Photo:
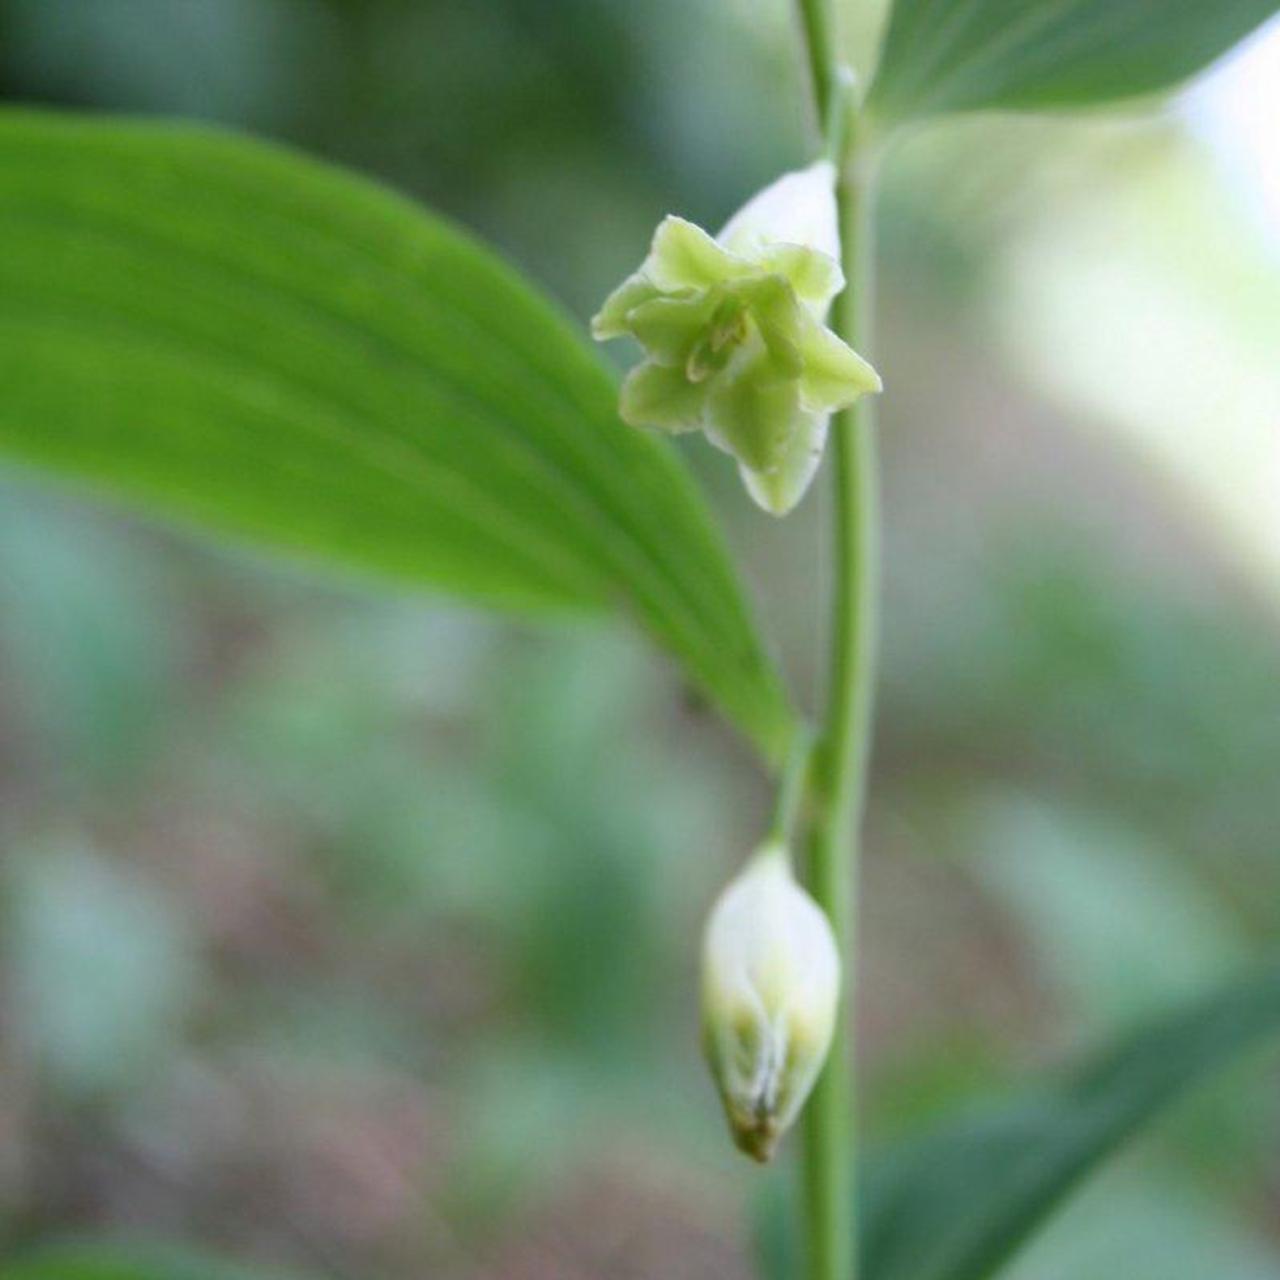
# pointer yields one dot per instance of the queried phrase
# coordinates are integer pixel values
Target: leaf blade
(958, 1203)
(965, 55)
(262, 343)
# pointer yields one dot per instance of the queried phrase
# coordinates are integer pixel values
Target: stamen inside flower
(730, 325)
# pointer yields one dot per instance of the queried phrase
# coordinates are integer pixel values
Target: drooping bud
(770, 993)
(734, 334)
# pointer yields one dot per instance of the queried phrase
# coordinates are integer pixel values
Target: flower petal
(656, 396)
(780, 488)
(815, 276)
(834, 375)
(683, 256)
(753, 410)
(669, 327)
(799, 208)
(611, 321)
(778, 317)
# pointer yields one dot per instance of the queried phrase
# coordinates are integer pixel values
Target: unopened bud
(770, 993)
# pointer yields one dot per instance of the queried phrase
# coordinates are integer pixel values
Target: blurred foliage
(100, 968)
(96, 1262)
(91, 635)
(357, 935)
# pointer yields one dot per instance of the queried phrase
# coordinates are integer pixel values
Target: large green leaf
(246, 338)
(960, 55)
(957, 1203)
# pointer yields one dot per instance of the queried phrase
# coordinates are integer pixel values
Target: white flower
(770, 994)
(734, 335)
(799, 208)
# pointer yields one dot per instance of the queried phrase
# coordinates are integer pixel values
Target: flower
(734, 335)
(770, 992)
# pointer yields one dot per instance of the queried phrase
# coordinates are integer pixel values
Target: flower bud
(770, 993)
(734, 335)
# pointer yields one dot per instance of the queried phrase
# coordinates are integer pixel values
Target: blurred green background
(358, 934)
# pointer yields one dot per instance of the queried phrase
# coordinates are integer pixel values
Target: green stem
(845, 745)
(818, 18)
(792, 791)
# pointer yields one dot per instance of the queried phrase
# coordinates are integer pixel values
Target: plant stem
(845, 745)
(818, 18)
(792, 792)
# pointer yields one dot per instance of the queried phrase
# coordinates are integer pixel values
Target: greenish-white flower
(770, 992)
(734, 333)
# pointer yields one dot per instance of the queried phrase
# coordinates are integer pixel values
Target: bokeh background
(357, 933)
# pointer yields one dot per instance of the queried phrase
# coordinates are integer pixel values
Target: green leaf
(959, 1202)
(244, 338)
(124, 1262)
(962, 55)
